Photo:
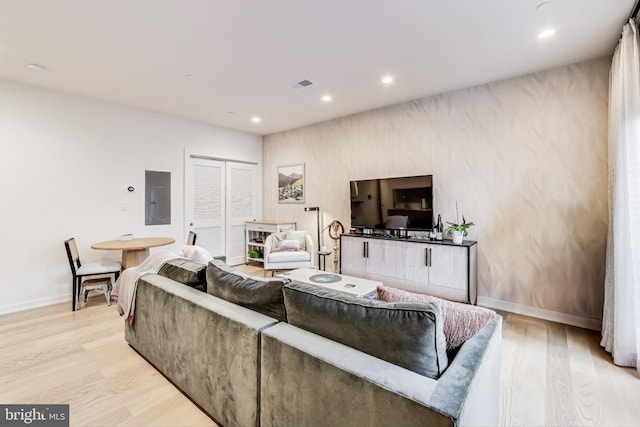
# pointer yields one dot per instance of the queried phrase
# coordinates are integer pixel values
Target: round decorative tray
(325, 278)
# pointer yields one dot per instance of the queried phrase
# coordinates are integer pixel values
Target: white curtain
(621, 317)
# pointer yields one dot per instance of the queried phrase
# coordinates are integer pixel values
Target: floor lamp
(317, 211)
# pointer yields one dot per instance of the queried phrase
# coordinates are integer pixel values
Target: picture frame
(291, 188)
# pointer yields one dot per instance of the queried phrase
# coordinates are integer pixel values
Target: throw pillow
(263, 295)
(289, 245)
(185, 271)
(406, 334)
(196, 253)
(461, 321)
(299, 235)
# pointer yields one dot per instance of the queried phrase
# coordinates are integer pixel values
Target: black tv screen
(392, 203)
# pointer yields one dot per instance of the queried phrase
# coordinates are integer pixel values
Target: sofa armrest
(470, 387)
(208, 347)
(310, 248)
(307, 379)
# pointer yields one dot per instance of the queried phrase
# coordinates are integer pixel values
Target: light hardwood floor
(53, 355)
(551, 374)
(558, 375)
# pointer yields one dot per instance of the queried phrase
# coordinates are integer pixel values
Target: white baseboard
(6, 309)
(541, 313)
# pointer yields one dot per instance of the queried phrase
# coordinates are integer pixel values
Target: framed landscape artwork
(291, 183)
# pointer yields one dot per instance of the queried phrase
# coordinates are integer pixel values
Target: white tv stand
(438, 268)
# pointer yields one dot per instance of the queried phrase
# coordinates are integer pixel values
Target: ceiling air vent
(301, 84)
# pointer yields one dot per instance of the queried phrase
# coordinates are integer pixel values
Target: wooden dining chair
(92, 276)
(191, 239)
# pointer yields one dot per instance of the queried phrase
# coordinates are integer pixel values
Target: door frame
(257, 183)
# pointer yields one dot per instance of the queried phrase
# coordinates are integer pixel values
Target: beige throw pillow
(299, 235)
(289, 245)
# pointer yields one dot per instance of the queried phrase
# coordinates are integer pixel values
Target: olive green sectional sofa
(319, 358)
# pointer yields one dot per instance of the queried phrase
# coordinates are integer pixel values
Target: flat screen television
(392, 203)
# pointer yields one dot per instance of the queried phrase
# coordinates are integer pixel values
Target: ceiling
(226, 61)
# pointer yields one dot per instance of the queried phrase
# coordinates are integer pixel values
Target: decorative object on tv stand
(291, 188)
(335, 230)
(439, 228)
(316, 209)
(458, 230)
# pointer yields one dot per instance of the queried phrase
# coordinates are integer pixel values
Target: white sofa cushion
(98, 268)
(289, 256)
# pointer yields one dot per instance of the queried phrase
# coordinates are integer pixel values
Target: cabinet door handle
(430, 256)
(366, 245)
(427, 257)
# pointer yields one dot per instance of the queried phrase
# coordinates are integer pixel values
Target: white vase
(457, 237)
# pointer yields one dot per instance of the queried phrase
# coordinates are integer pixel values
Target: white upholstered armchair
(288, 250)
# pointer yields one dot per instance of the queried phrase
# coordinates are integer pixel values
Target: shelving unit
(257, 232)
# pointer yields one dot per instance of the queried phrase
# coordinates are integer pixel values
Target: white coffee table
(337, 282)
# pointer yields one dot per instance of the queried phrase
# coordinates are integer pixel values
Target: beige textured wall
(525, 158)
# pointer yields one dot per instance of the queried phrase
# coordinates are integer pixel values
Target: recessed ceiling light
(36, 67)
(256, 119)
(387, 80)
(327, 98)
(546, 34)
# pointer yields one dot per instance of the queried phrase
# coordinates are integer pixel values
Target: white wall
(525, 158)
(65, 164)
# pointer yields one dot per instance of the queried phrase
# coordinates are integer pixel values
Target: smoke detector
(301, 84)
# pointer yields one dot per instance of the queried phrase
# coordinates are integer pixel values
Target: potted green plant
(458, 231)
